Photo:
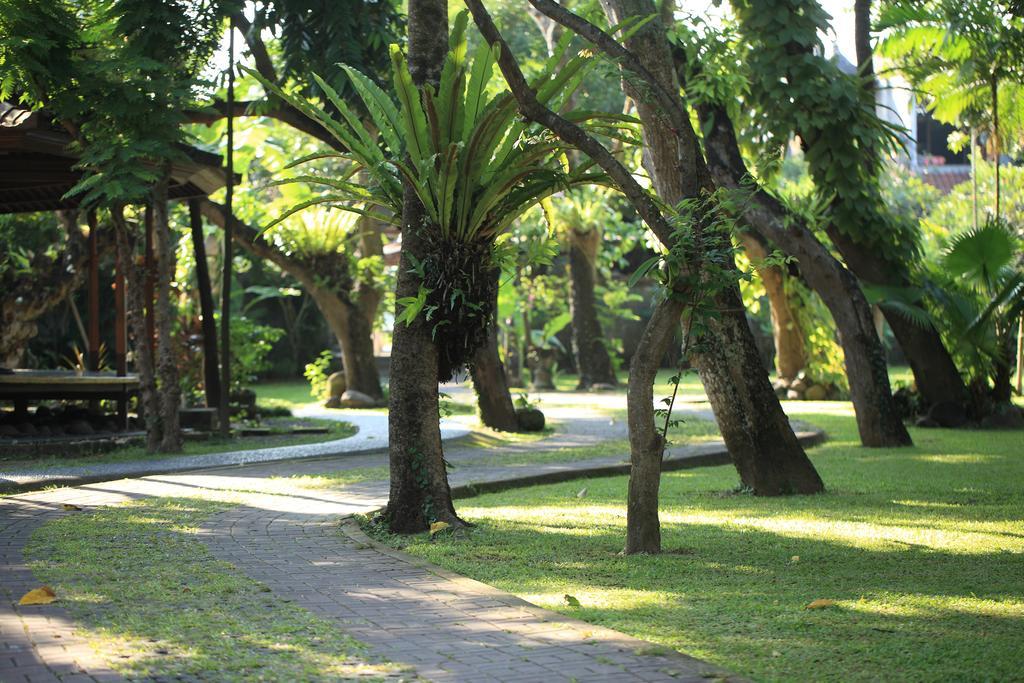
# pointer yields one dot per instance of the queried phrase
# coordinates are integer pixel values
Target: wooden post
(223, 409)
(211, 379)
(120, 338)
(94, 295)
(150, 264)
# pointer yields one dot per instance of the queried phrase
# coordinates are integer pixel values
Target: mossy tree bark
(166, 367)
(592, 360)
(878, 420)
(141, 340)
(419, 491)
(761, 442)
(646, 443)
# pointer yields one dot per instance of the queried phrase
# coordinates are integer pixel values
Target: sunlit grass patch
(921, 550)
(154, 601)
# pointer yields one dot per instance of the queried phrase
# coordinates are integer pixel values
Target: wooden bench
(22, 386)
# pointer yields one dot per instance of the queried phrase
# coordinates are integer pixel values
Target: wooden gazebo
(37, 169)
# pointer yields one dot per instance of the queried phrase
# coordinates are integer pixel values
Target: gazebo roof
(36, 165)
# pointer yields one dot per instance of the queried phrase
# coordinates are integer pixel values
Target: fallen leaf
(582, 493)
(820, 603)
(43, 595)
(794, 559)
(437, 527)
(776, 653)
(572, 601)
(70, 507)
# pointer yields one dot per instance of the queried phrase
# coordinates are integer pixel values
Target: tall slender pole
(224, 416)
(93, 352)
(211, 372)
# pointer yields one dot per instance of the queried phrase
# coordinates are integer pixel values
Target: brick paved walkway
(447, 627)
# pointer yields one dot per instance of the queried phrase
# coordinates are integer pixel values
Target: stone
(337, 385)
(793, 395)
(816, 393)
(1009, 417)
(79, 427)
(203, 419)
(357, 399)
(333, 402)
(780, 383)
(9, 430)
(27, 428)
(800, 385)
(602, 386)
(530, 419)
(948, 414)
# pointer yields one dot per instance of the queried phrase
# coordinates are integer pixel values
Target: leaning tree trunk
(592, 360)
(142, 341)
(878, 420)
(490, 381)
(761, 442)
(351, 322)
(935, 373)
(166, 367)
(419, 492)
(646, 443)
(790, 354)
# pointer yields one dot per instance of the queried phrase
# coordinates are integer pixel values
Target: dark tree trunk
(790, 355)
(211, 367)
(878, 421)
(142, 341)
(756, 431)
(646, 444)
(419, 483)
(935, 373)
(491, 385)
(490, 381)
(761, 441)
(592, 360)
(166, 367)
(350, 322)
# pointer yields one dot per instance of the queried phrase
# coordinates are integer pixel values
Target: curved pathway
(372, 435)
(445, 626)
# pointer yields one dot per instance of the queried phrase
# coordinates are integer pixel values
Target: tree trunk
(592, 360)
(419, 492)
(211, 367)
(350, 322)
(166, 368)
(790, 355)
(142, 341)
(646, 444)
(935, 373)
(756, 431)
(878, 421)
(490, 381)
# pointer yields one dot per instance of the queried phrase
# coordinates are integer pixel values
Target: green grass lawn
(215, 444)
(159, 606)
(921, 549)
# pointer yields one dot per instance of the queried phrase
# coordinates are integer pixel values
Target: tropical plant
(473, 163)
(965, 57)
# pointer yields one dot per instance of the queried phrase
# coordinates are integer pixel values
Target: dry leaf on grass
(43, 595)
(820, 603)
(437, 527)
(70, 506)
